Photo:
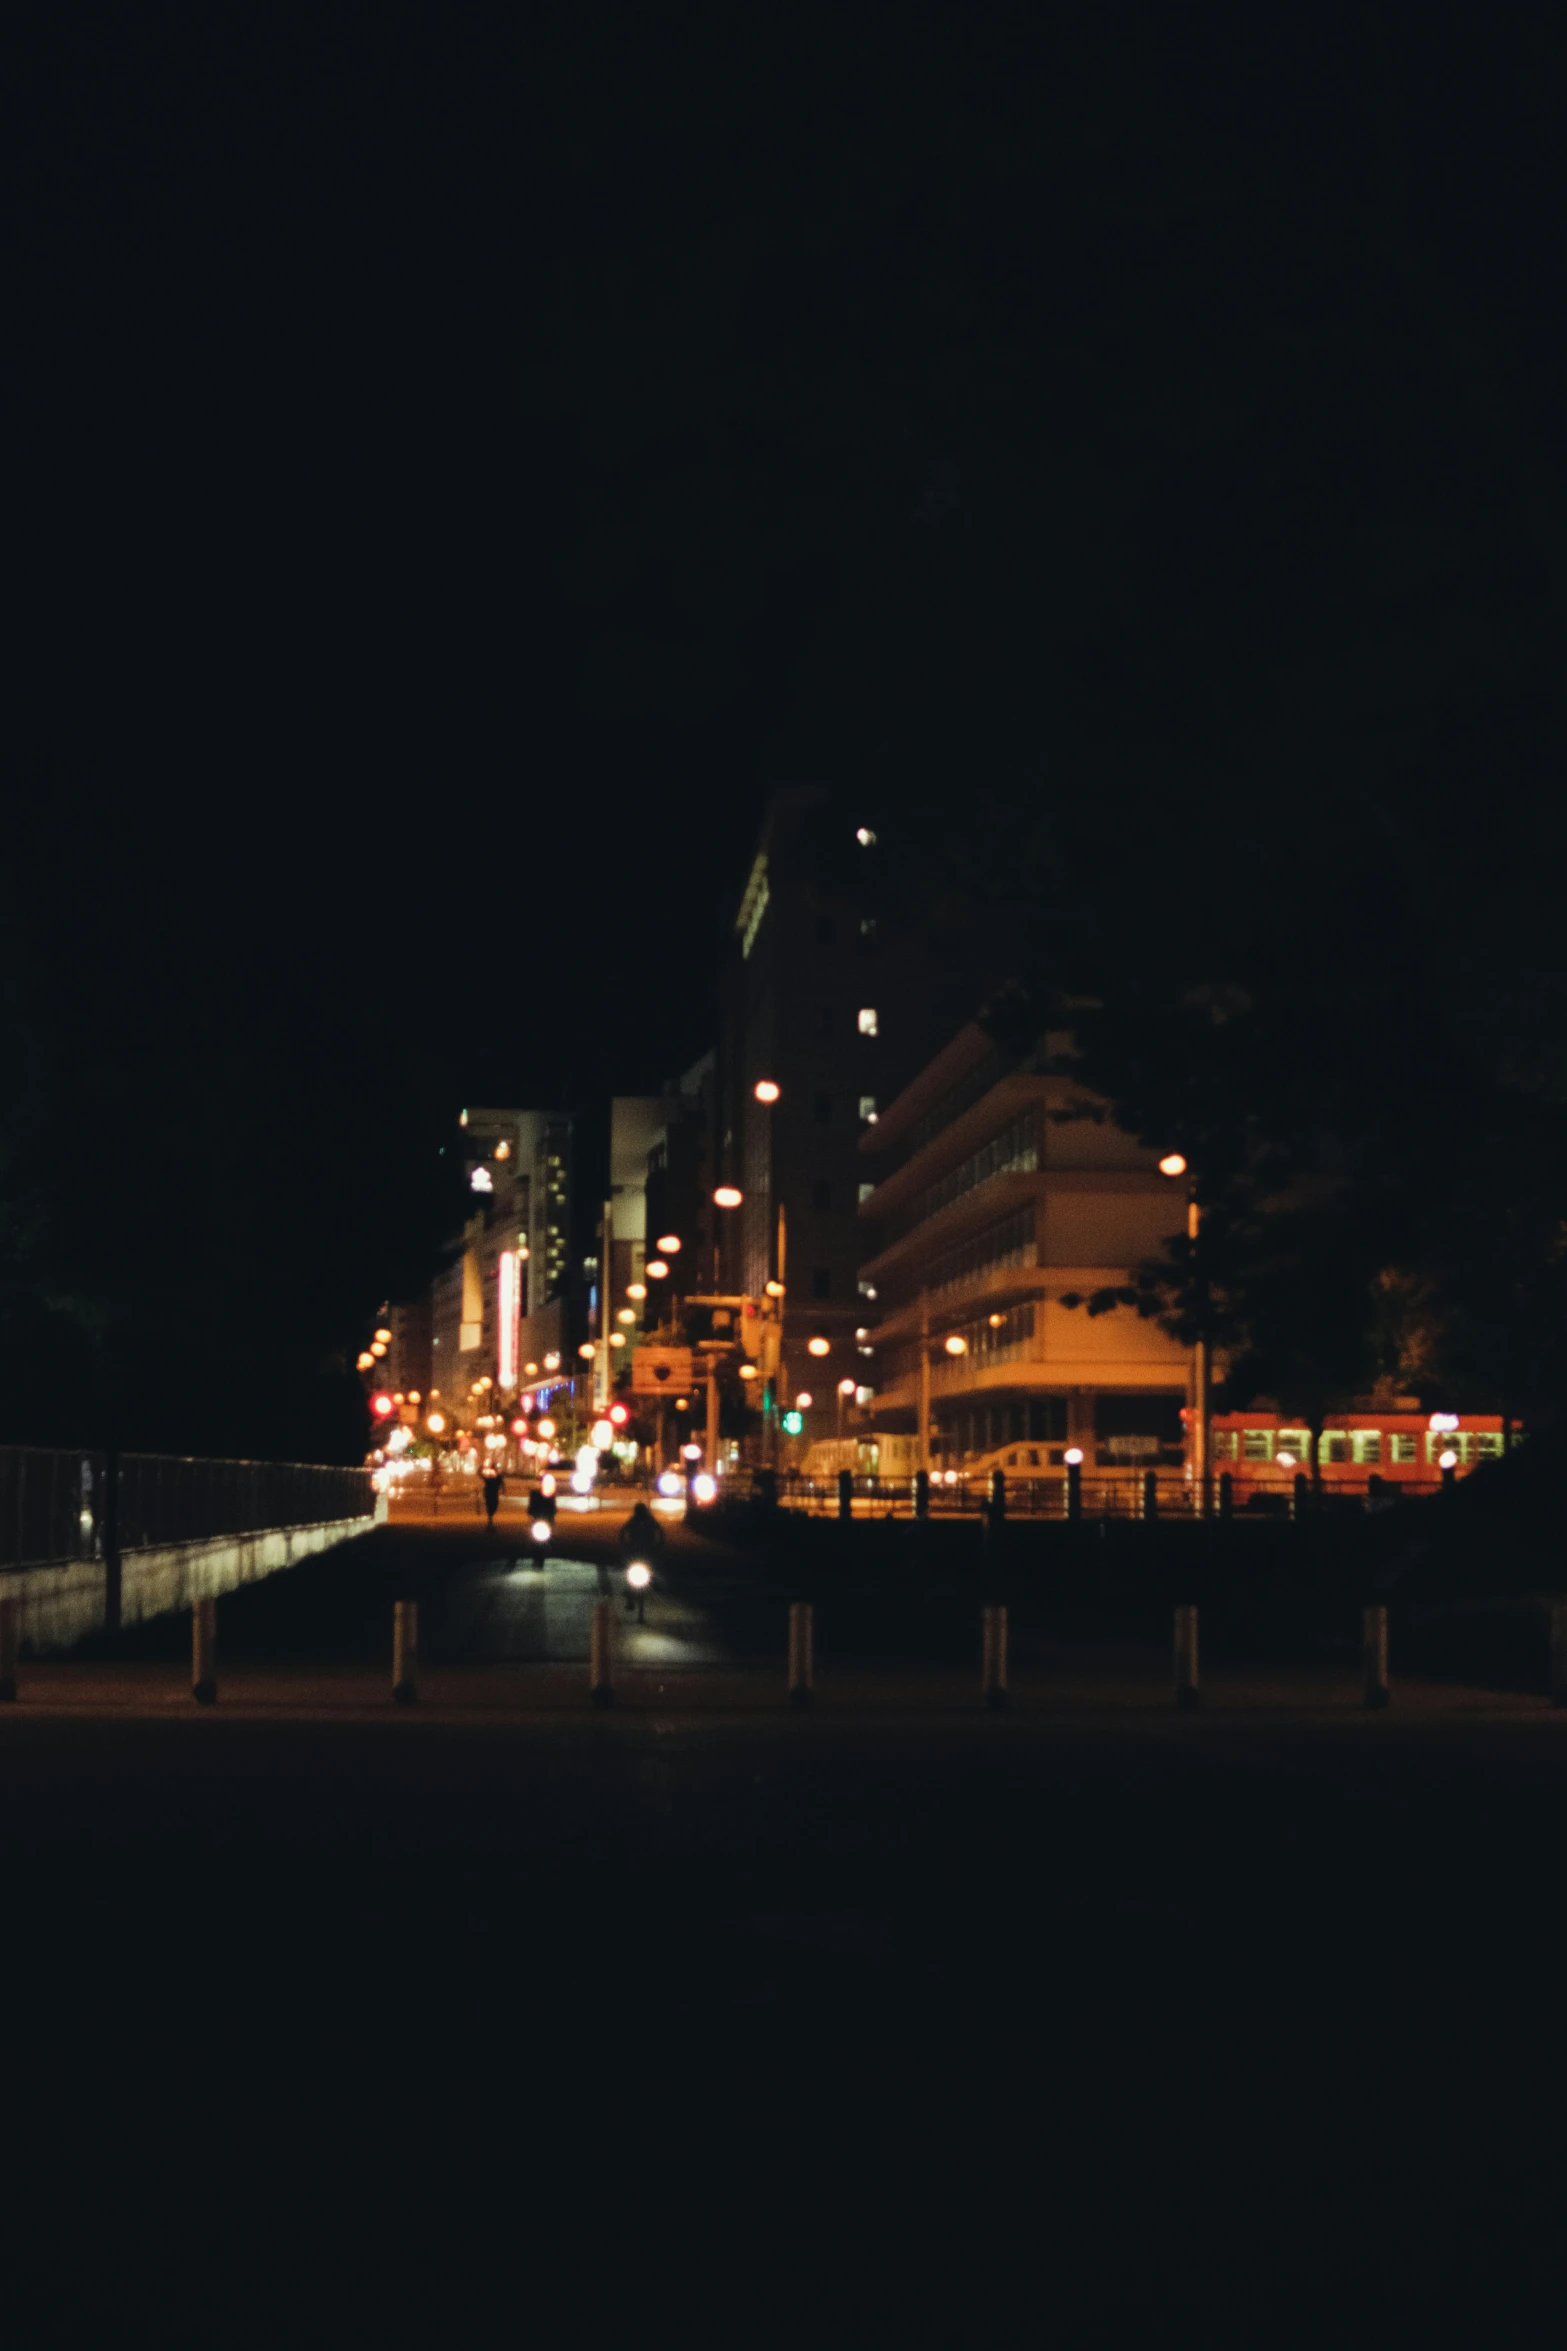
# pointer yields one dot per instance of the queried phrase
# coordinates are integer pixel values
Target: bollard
(1300, 1494)
(1449, 1478)
(845, 1493)
(922, 1493)
(405, 1651)
(601, 1654)
(1374, 1650)
(998, 1497)
(10, 1644)
(1226, 1494)
(802, 1656)
(993, 1645)
(1150, 1494)
(1186, 1656)
(1559, 1653)
(1074, 1489)
(204, 1652)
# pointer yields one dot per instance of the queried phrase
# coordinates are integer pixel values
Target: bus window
(1335, 1445)
(1367, 1444)
(1296, 1442)
(1257, 1445)
(1401, 1446)
(1224, 1444)
(1488, 1444)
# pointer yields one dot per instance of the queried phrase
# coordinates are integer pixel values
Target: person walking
(493, 1482)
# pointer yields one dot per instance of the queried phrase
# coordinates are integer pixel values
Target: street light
(670, 1244)
(636, 1290)
(818, 1346)
(656, 1268)
(1174, 1164)
(955, 1345)
(766, 1090)
(802, 1402)
(728, 1196)
(845, 1391)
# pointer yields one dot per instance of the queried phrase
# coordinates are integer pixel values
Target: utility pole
(1202, 1402)
(924, 1381)
(601, 1352)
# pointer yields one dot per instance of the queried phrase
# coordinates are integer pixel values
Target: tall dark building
(836, 993)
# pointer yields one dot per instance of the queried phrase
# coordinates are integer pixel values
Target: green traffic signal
(793, 1422)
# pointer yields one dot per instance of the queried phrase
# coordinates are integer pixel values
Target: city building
(835, 993)
(995, 1192)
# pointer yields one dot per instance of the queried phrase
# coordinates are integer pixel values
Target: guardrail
(57, 1505)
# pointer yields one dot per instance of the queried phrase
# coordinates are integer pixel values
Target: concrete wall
(62, 1604)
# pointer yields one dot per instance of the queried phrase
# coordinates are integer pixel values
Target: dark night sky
(456, 453)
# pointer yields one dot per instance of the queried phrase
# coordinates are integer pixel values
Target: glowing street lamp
(365, 1361)
(728, 1196)
(637, 1290)
(384, 1336)
(818, 1346)
(627, 1314)
(656, 1269)
(1172, 1164)
(956, 1345)
(802, 1402)
(586, 1350)
(378, 1347)
(748, 1371)
(669, 1243)
(767, 1089)
(436, 1424)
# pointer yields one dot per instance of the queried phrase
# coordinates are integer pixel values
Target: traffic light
(620, 1414)
(382, 1405)
(793, 1423)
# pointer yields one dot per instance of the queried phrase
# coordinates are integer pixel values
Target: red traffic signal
(382, 1405)
(619, 1414)
(519, 1428)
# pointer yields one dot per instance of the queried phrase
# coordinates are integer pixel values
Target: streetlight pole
(924, 1381)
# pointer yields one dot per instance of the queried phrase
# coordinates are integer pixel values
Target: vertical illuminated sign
(506, 1319)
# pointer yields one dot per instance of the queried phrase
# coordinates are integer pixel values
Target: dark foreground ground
(499, 2020)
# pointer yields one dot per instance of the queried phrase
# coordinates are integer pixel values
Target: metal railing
(1117, 1495)
(57, 1506)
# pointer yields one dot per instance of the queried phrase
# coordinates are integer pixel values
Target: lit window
(1334, 1445)
(867, 1289)
(865, 1191)
(1257, 1445)
(1296, 1442)
(868, 1109)
(1401, 1446)
(869, 1025)
(481, 1180)
(865, 837)
(1368, 1444)
(1224, 1444)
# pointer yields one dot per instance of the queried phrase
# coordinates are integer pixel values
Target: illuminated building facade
(996, 1192)
(835, 993)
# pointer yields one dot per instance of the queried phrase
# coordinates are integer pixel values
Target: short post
(10, 1645)
(1074, 1489)
(845, 1493)
(1300, 1494)
(601, 1654)
(1374, 1492)
(1374, 1653)
(998, 1497)
(1559, 1653)
(993, 1645)
(204, 1652)
(1226, 1494)
(922, 1493)
(1150, 1494)
(802, 1656)
(1186, 1656)
(1449, 1477)
(405, 1651)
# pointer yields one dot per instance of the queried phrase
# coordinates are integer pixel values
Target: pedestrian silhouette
(493, 1482)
